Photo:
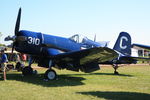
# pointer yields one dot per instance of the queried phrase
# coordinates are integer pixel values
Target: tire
(27, 71)
(19, 66)
(50, 75)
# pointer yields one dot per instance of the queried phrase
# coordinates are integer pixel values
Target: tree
(0, 43)
(0, 34)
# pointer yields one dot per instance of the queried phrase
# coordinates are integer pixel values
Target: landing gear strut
(28, 70)
(50, 74)
(115, 66)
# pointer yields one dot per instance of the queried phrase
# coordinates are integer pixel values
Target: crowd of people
(4, 61)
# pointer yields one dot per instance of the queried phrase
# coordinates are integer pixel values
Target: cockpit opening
(78, 38)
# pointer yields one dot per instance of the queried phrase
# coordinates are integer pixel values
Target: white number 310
(34, 41)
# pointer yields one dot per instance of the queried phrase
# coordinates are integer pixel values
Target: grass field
(133, 83)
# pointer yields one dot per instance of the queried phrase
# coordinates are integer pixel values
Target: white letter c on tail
(121, 42)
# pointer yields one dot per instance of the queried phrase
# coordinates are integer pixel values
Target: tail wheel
(50, 74)
(115, 66)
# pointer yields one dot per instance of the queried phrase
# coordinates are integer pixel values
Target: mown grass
(133, 83)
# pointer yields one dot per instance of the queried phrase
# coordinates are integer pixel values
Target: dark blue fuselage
(48, 45)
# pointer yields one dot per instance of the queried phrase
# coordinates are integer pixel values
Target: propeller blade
(13, 47)
(95, 38)
(18, 22)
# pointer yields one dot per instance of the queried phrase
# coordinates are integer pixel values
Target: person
(17, 57)
(23, 57)
(4, 60)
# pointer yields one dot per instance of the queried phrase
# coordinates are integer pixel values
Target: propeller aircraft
(75, 53)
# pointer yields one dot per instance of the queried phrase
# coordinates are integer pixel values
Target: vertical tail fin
(123, 43)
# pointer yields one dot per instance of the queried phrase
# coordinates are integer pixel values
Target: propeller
(17, 28)
(16, 38)
(95, 38)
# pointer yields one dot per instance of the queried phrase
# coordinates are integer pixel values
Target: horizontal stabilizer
(129, 59)
(141, 58)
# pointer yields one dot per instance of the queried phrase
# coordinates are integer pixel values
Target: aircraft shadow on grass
(111, 74)
(63, 80)
(118, 95)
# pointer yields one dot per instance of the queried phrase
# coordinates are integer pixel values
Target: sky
(105, 18)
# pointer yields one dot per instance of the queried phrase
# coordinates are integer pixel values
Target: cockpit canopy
(87, 43)
(78, 38)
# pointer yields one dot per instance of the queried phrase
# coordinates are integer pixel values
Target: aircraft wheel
(27, 71)
(50, 74)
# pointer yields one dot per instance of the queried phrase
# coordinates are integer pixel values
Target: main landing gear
(28, 71)
(49, 74)
(115, 66)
